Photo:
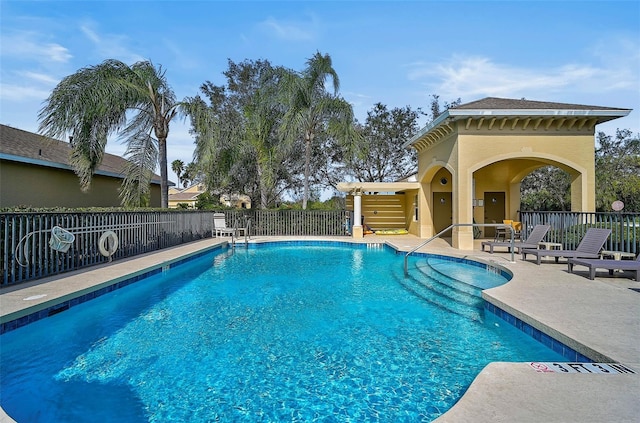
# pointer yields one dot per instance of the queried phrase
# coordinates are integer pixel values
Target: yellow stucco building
(471, 161)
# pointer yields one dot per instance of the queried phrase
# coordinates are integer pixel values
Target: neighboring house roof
(26, 147)
(184, 196)
(190, 193)
(197, 188)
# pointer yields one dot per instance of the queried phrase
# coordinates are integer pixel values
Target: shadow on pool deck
(599, 318)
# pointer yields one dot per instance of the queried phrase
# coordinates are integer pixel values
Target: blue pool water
(289, 333)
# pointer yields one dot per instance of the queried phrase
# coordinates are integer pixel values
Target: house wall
(37, 186)
(500, 162)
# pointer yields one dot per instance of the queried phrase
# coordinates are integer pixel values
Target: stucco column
(583, 193)
(462, 236)
(425, 219)
(357, 231)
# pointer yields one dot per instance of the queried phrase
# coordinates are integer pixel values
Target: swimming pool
(289, 333)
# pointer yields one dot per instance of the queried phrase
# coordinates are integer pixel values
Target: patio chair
(220, 227)
(589, 247)
(610, 265)
(537, 234)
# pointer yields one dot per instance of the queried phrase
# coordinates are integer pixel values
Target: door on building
(494, 211)
(442, 212)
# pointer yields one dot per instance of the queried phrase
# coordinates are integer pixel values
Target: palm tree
(237, 145)
(190, 175)
(93, 104)
(261, 116)
(311, 110)
(178, 167)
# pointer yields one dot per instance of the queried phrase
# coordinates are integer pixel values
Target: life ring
(108, 243)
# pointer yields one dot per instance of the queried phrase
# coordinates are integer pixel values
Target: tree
(178, 167)
(94, 103)
(312, 110)
(237, 148)
(436, 109)
(544, 189)
(384, 133)
(190, 175)
(618, 170)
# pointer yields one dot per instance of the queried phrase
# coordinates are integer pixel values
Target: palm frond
(142, 157)
(93, 104)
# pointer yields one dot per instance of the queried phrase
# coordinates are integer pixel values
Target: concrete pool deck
(599, 318)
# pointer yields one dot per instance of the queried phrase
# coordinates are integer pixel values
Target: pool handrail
(246, 229)
(495, 225)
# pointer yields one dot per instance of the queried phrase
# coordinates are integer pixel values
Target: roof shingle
(491, 103)
(42, 150)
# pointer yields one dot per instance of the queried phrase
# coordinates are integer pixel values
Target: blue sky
(394, 52)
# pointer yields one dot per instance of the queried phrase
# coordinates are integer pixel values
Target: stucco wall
(497, 162)
(496, 159)
(37, 186)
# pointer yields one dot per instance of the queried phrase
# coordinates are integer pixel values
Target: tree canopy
(134, 102)
(264, 133)
(235, 125)
(617, 166)
(618, 170)
(312, 110)
(383, 134)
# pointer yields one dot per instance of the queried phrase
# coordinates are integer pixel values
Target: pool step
(432, 291)
(474, 276)
(444, 281)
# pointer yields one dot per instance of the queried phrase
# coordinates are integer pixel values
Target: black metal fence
(292, 222)
(32, 249)
(568, 228)
(28, 249)
(33, 245)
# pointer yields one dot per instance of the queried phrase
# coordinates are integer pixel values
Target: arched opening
(497, 187)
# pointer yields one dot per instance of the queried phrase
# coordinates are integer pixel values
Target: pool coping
(64, 287)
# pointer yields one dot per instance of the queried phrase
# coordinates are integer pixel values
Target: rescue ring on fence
(108, 243)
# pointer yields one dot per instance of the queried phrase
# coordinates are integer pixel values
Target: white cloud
(184, 61)
(110, 46)
(40, 77)
(30, 46)
(290, 31)
(21, 93)
(473, 77)
(605, 75)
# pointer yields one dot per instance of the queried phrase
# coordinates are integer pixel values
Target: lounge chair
(610, 265)
(589, 247)
(537, 234)
(220, 226)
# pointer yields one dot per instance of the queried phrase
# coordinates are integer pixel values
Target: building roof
(506, 108)
(27, 147)
(493, 103)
